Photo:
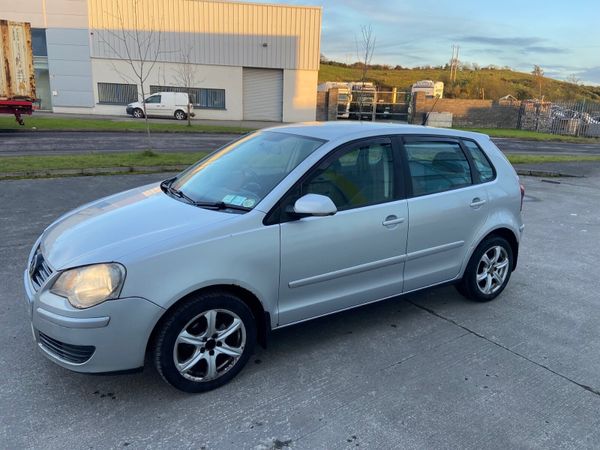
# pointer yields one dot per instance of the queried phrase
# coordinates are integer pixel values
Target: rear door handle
(392, 220)
(477, 202)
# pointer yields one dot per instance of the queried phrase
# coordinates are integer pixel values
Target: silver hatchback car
(281, 226)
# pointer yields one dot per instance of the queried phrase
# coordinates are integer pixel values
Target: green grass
(97, 160)
(532, 135)
(29, 164)
(76, 124)
(517, 158)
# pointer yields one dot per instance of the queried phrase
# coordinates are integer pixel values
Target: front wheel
(138, 113)
(205, 342)
(180, 115)
(488, 271)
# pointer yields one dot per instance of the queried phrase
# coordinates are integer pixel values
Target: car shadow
(397, 317)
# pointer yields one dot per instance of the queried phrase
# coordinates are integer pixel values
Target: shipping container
(17, 81)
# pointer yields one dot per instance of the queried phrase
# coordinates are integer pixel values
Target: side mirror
(314, 205)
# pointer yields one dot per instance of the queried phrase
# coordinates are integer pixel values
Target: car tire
(138, 113)
(205, 342)
(180, 115)
(488, 271)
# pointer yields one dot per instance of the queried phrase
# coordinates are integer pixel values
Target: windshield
(244, 172)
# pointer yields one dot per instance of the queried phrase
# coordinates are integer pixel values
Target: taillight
(522, 195)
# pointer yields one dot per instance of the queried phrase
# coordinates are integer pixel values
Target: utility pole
(454, 63)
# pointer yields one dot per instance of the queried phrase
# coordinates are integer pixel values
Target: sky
(563, 37)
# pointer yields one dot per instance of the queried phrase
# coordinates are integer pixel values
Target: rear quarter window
(437, 166)
(481, 161)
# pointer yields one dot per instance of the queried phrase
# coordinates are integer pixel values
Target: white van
(163, 104)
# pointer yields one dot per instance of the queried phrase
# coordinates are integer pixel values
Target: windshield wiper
(166, 187)
(221, 205)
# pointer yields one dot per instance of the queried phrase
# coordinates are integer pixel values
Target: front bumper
(129, 110)
(111, 336)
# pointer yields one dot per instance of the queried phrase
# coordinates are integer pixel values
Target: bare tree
(365, 47)
(140, 49)
(573, 79)
(187, 77)
(538, 74)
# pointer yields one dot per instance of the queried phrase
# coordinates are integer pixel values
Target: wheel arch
(261, 316)
(503, 232)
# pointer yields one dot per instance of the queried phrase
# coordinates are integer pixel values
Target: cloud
(590, 75)
(545, 49)
(509, 41)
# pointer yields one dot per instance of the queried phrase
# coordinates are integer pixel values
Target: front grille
(76, 354)
(39, 270)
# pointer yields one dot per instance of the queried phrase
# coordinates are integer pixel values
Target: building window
(117, 94)
(38, 42)
(202, 98)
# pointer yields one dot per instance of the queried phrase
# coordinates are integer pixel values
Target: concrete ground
(429, 370)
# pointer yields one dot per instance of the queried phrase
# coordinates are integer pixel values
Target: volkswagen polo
(281, 226)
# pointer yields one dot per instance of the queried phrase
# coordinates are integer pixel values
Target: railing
(577, 118)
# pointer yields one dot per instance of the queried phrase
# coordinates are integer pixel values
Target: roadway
(64, 143)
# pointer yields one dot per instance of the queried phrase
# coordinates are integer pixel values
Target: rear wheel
(138, 113)
(488, 271)
(180, 115)
(205, 342)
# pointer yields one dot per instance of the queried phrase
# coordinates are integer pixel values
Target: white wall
(299, 95)
(166, 74)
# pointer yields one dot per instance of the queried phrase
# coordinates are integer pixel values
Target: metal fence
(581, 118)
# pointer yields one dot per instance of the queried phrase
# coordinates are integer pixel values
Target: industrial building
(238, 61)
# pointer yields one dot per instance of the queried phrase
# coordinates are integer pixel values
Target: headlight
(90, 285)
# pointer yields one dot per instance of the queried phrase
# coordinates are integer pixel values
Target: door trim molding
(430, 251)
(348, 271)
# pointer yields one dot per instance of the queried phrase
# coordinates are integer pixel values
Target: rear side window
(437, 166)
(482, 164)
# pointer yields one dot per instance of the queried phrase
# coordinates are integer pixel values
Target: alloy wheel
(492, 270)
(209, 345)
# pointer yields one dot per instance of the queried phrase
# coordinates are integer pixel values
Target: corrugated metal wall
(70, 67)
(214, 32)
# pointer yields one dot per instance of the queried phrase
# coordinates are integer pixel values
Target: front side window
(245, 171)
(153, 99)
(360, 176)
(482, 164)
(437, 166)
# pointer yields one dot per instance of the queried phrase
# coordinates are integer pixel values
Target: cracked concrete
(430, 370)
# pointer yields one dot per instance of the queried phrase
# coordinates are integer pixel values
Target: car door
(355, 256)
(446, 208)
(153, 105)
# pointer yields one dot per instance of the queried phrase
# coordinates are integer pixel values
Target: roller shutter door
(263, 94)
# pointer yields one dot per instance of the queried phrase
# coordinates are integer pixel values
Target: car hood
(112, 227)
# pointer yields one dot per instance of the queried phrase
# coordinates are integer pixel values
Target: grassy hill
(495, 83)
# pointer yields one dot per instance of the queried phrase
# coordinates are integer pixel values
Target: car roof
(335, 130)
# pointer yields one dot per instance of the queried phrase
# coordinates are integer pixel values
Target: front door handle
(477, 202)
(392, 220)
